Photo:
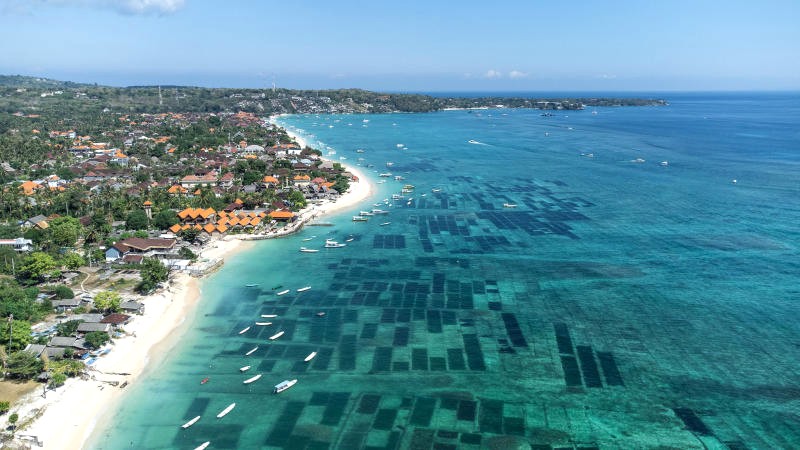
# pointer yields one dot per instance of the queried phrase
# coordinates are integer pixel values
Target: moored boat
(284, 385)
(225, 411)
(509, 205)
(251, 285)
(244, 369)
(244, 330)
(310, 356)
(360, 219)
(333, 244)
(263, 324)
(203, 445)
(251, 379)
(190, 423)
(285, 291)
(303, 289)
(308, 250)
(253, 350)
(269, 316)
(385, 223)
(276, 335)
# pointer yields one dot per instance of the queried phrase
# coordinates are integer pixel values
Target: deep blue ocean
(639, 289)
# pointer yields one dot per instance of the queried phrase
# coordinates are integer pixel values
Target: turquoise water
(620, 304)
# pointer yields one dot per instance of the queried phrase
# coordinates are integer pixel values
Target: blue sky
(611, 45)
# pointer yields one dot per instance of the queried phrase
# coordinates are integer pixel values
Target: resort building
(18, 244)
(137, 248)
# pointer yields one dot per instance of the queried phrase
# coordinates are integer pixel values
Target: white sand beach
(65, 417)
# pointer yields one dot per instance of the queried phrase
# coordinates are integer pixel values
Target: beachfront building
(18, 244)
(143, 248)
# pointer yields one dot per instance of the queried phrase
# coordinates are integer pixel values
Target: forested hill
(33, 95)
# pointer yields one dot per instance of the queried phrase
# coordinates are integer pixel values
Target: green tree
(20, 331)
(153, 272)
(57, 379)
(72, 261)
(23, 365)
(187, 253)
(63, 292)
(190, 234)
(136, 220)
(165, 219)
(107, 301)
(68, 328)
(297, 199)
(96, 339)
(4, 406)
(37, 267)
(64, 231)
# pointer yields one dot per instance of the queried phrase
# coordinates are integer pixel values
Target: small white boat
(664, 163)
(285, 291)
(308, 358)
(263, 324)
(244, 331)
(251, 285)
(385, 223)
(509, 205)
(349, 240)
(244, 369)
(203, 445)
(333, 244)
(307, 239)
(379, 211)
(276, 335)
(385, 174)
(434, 190)
(303, 289)
(360, 219)
(190, 423)
(226, 410)
(284, 385)
(251, 379)
(400, 145)
(308, 250)
(269, 316)
(253, 350)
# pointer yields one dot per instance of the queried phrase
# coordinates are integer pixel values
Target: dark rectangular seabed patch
(455, 359)
(390, 241)
(591, 376)
(369, 331)
(434, 321)
(197, 407)
(474, 353)
(400, 336)
(491, 418)
(347, 352)
(384, 420)
(692, 421)
(323, 359)
(422, 439)
(423, 412)
(466, 410)
(337, 404)
(369, 403)
(382, 360)
(514, 331)
(610, 370)
(285, 424)
(572, 374)
(438, 363)
(563, 339)
(419, 359)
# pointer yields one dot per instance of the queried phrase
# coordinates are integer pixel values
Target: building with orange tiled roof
(176, 189)
(281, 215)
(29, 187)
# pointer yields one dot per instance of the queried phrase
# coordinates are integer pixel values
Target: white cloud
(121, 6)
(607, 76)
(518, 74)
(492, 74)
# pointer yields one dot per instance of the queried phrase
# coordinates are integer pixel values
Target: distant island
(24, 94)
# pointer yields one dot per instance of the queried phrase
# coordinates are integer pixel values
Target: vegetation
(23, 365)
(63, 292)
(152, 272)
(5, 406)
(68, 328)
(96, 339)
(15, 334)
(107, 301)
(20, 303)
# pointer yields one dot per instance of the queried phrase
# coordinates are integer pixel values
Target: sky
(409, 45)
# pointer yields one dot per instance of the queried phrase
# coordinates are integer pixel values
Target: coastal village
(111, 217)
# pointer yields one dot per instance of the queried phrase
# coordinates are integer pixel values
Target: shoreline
(68, 416)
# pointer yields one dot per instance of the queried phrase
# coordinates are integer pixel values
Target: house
(39, 222)
(132, 307)
(29, 187)
(66, 304)
(301, 180)
(116, 319)
(18, 244)
(208, 179)
(66, 342)
(140, 246)
(93, 327)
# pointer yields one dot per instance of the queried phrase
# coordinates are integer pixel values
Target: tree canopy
(107, 301)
